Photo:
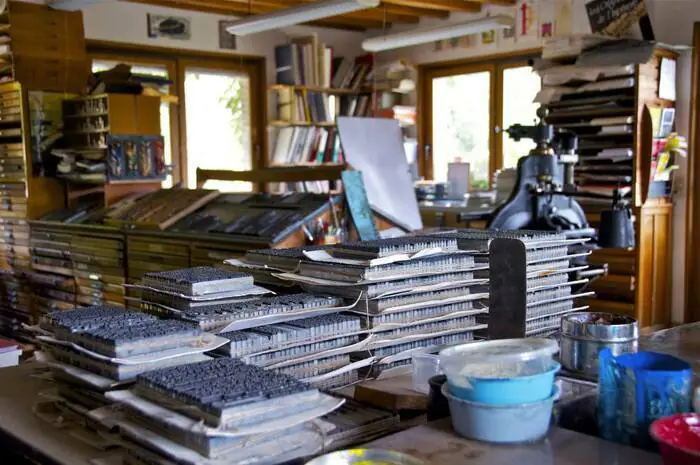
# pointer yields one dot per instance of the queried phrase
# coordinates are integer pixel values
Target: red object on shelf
(679, 438)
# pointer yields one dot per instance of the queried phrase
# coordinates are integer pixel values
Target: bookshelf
(610, 115)
(113, 146)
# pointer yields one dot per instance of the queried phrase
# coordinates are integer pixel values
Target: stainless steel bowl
(366, 457)
(585, 334)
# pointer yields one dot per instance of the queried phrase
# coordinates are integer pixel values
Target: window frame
(496, 65)
(177, 61)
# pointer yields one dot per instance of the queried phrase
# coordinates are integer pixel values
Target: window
(161, 70)
(520, 86)
(217, 109)
(462, 108)
(218, 120)
(461, 126)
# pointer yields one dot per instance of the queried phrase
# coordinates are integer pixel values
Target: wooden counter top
(437, 444)
(25, 434)
(22, 432)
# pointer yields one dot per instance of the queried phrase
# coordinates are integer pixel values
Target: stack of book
(305, 61)
(307, 146)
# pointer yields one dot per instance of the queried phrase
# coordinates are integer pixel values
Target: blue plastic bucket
(504, 391)
(504, 424)
(637, 389)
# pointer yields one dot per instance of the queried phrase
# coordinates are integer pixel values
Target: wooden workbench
(28, 436)
(25, 434)
(437, 444)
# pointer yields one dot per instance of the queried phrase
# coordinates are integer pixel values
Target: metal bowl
(366, 457)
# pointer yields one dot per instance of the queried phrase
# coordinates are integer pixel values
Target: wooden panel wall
(653, 292)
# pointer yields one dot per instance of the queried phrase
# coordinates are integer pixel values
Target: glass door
(463, 108)
(461, 121)
(217, 113)
(520, 86)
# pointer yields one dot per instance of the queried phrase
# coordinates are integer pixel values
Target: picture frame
(171, 27)
(227, 41)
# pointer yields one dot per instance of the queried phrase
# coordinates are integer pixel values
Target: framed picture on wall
(173, 27)
(227, 40)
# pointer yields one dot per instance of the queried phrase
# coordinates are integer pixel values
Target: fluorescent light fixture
(73, 5)
(298, 15)
(444, 32)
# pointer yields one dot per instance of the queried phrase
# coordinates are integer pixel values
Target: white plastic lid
(503, 350)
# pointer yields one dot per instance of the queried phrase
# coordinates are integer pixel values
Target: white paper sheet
(667, 79)
(324, 256)
(253, 290)
(375, 147)
(291, 446)
(97, 382)
(207, 343)
(318, 407)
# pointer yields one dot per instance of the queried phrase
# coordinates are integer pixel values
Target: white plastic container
(424, 367)
(501, 372)
(504, 358)
(502, 424)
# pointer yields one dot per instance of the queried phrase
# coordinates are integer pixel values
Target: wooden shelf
(327, 90)
(324, 124)
(87, 131)
(86, 115)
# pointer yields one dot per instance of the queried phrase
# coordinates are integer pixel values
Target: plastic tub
(500, 423)
(505, 391)
(502, 372)
(679, 438)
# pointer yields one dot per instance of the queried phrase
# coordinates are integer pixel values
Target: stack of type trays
(177, 292)
(542, 265)
(222, 411)
(303, 335)
(94, 349)
(413, 294)
(265, 264)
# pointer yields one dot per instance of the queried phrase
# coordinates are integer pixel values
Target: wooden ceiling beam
(388, 7)
(497, 2)
(443, 5)
(225, 7)
(392, 14)
(420, 12)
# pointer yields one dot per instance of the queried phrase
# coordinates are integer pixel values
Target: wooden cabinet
(46, 48)
(639, 280)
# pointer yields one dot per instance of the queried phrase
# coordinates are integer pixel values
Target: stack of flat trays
(174, 292)
(118, 344)
(52, 276)
(304, 335)
(94, 350)
(264, 264)
(543, 266)
(98, 268)
(412, 293)
(222, 411)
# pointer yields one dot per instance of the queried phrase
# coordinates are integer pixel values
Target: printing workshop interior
(330, 232)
